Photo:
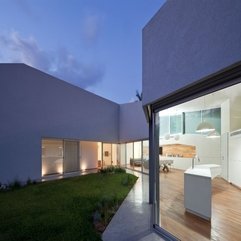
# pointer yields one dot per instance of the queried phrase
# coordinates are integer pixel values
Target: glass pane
(90, 156)
(114, 154)
(175, 124)
(71, 158)
(52, 157)
(181, 175)
(137, 161)
(192, 120)
(129, 155)
(165, 125)
(99, 154)
(123, 155)
(107, 154)
(213, 116)
(145, 154)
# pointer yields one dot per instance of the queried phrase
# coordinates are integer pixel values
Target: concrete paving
(132, 220)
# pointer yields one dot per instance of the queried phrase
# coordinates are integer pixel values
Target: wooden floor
(226, 211)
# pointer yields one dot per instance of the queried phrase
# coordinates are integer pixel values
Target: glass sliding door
(99, 155)
(52, 156)
(107, 154)
(188, 200)
(115, 161)
(89, 155)
(71, 156)
(145, 156)
(129, 155)
(122, 153)
(137, 161)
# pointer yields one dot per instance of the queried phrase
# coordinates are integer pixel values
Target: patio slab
(132, 220)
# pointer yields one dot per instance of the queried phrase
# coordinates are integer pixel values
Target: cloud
(18, 49)
(59, 63)
(91, 28)
(69, 68)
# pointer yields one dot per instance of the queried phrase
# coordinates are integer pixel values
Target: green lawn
(62, 209)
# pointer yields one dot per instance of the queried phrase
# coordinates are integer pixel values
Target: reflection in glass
(145, 155)
(129, 155)
(52, 157)
(107, 154)
(137, 161)
(114, 155)
(122, 155)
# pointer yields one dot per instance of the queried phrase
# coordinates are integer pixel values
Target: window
(213, 116)
(165, 125)
(192, 120)
(175, 124)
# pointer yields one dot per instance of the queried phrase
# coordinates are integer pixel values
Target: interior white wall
(208, 150)
(235, 114)
(235, 160)
(88, 155)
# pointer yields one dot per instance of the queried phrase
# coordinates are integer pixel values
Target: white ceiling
(209, 101)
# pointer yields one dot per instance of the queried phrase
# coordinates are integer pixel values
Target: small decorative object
(167, 136)
(177, 137)
(106, 153)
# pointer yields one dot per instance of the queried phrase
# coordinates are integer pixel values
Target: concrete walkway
(132, 220)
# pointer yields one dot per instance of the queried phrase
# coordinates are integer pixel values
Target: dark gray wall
(133, 125)
(34, 105)
(188, 40)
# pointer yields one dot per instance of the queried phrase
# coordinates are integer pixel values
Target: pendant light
(205, 127)
(213, 134)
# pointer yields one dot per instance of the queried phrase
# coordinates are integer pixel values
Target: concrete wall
(133, 125)
(186, 41)
(35, 105)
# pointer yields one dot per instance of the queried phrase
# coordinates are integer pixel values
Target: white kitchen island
(198, 189)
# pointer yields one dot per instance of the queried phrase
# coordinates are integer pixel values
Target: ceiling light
(204, 126)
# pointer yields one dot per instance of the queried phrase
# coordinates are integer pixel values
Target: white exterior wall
(34, 105)
(133, 125)
(186, 41)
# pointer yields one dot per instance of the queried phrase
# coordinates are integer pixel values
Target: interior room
(61, 156)
(135, 155)
(200, 167)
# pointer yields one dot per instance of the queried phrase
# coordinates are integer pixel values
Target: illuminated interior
(61, 156)
(203, 167)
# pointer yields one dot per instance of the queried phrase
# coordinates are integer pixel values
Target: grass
(62, 209)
